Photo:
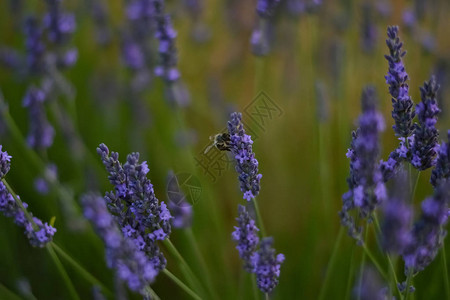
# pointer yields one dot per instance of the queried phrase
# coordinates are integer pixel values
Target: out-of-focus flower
(246, 237)
(41, 133)
(267, 264)
(366, 187)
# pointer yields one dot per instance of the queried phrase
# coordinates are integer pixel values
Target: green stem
(189, 273)
(80, 269)
(350, 274)
(391, 265)
(415, 187)
(259, 218)
(374, 261)
(363, 262)
(19, 203)
(4, 291)
(62, 271)
(152, 293)
(408, 283)
(254, 287)
(201, 260)
(267, 296)
(445, 270)
(181, 284)
(331, 264)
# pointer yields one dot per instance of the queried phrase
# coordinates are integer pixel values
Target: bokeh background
(321, 58)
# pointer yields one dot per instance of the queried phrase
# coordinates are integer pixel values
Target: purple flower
(403, 107)
(165, 34)
(38, 233)
(5, 162)
(41, 132)
(266, 265)
(35, 48)
(246, 236)
(428, 233)
(182, 214)
(60, 25)
(122, 254)
(397, 219)
(266, 8)
(366, 188)
(371, 287)
(441, 172)
(425, 133)
(134, 204)
(369, 28)
(246, 163)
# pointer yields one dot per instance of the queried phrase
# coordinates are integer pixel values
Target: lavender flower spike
(429, 232)
(5, 162)
(140, 215)
(122, 254)
(266, 264)
(37, 232)
(41, 132)
(246, 235)
(441, 173)
(246, 163)
(366, 187)
(425, 133)
(403, 107)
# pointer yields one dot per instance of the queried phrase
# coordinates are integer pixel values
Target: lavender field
(193, 149)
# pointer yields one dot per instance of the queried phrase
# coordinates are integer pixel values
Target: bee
(221, 141)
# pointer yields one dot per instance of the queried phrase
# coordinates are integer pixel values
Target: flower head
(5, 162)
(441, 172)
(134, 204)
(366, 188)
(403, 107)
(122, 253)
(266, 265)
(246, 236)
(425, 133)
(246, 163)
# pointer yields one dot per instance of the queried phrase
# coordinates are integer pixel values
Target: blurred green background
(301, 153)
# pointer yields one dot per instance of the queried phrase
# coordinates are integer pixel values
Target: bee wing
(208, 148)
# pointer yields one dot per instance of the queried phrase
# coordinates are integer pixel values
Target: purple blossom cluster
(441, 172)
(141, 217)
(403, 112)
(122, 253)
(261, 36)
(246, 236)
(418, 142)
(428, 233)
(38, 232)
(165, 34)
(41, 133)
(424, 145)
(370, 286)
(246, 163)
(60, 26)
(266, 265)
(34, 45)
(366, 187)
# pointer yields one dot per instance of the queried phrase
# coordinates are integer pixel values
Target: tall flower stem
(259, 218)
(62, 271)
(80, 269)
(408, 283)
(4, 291)
(388, 257)
(374, 261)
(189, 274)
(201, 260)
(445, 270)
(331, 264)
(254, 287)
(19, 202)
(350, 273)
(181, 284)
